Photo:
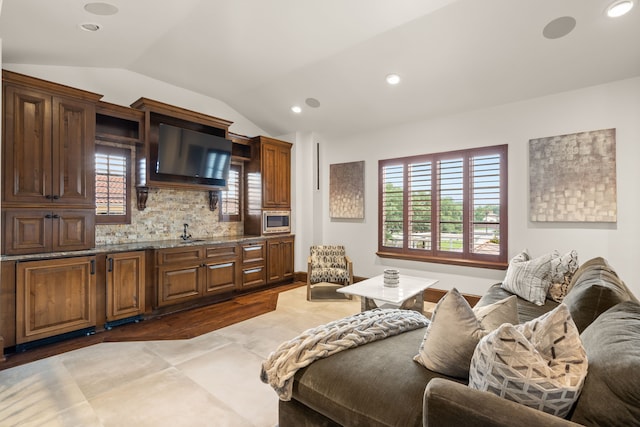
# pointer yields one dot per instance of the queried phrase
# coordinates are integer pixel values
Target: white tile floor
(211, 380)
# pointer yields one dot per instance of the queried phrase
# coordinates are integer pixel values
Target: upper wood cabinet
(275, 166)
(48, 143)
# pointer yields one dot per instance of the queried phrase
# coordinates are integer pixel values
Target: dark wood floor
(181, 325)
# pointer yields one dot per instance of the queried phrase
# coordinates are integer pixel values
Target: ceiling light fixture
(393, 79)
(619, 8)
(91, 27)
(296, 109)
(312, 102)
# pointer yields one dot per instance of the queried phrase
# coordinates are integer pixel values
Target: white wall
(615, 105)
(123, 87)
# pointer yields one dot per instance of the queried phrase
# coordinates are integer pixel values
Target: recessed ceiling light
(393, 79)
(296, 109)
(103, 9)
(91, 27)
(619, 8)
(559, 27)
(312, 102)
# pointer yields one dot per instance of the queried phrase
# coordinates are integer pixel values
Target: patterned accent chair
(328, 264)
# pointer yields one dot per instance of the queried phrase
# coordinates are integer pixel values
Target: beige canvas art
(572, 178)
(346, 190)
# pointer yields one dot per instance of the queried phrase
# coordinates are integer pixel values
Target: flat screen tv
(194, 157)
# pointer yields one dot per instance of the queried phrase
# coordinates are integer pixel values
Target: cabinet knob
(48, 216)
(56, 197)
(56, 216)
(48, 196)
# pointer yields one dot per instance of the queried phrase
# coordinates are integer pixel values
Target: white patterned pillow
(529, 278)
(541, 364)
(456, 328)
(562, 271)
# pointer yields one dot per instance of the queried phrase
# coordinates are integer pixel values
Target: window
(230, 206)
(112, 185)
(445, 207)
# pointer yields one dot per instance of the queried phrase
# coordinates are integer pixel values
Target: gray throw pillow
(529, 278)
(455, 329)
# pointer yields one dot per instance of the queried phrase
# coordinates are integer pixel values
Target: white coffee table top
(374, 288)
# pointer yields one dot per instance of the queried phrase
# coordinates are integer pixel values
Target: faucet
(185, 234)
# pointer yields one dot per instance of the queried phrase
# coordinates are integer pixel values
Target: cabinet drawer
(253, 252)
(226, 251)
(254, 276)
(177, 255)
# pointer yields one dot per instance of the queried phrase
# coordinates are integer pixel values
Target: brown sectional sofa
(379, 384)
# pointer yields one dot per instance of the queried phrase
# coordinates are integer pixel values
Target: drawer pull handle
(253, 270)
(93, 266)
(110, 265)
(229, 264)
(253, 248)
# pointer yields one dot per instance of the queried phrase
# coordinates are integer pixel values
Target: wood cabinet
(54, 297)
(125, 285)
(280, 254)
(186, 274)
(254, 258)
(47, 158)
(33, 230)
(267, 181)
(276, 173)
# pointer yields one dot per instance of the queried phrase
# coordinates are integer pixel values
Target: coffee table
(407, 295)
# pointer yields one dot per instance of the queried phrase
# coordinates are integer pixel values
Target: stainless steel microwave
(276, 222)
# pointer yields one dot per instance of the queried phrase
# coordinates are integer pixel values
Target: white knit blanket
(323, 341)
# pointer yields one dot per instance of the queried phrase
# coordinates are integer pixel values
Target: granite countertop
(142, 245)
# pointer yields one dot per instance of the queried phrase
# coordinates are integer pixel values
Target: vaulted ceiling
(263, 56)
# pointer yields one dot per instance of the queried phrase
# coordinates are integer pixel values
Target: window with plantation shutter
(445, 207)
(112, 185)
(230, 207)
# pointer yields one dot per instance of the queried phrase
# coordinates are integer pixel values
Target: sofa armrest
(447, 403)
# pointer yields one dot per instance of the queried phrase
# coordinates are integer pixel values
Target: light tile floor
(211, 380)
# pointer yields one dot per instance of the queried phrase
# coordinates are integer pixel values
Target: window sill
(442, 260)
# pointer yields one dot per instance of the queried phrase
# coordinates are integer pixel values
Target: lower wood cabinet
(280, 255)
(125, 285)
(254, 269)
(54, 297)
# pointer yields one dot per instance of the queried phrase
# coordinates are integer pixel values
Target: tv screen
(192, 156)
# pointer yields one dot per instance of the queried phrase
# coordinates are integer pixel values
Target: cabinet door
(274, 261)
(27, 231)
(54, 297)
(73, 152)
(283, 177)
(287, 257)
(125, 285)
(179, 283)
(27, 145)
(73, 229)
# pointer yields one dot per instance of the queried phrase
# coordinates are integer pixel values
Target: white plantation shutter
(230, 197)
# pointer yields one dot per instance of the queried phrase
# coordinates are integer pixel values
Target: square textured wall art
(572, 178)
(346, 190)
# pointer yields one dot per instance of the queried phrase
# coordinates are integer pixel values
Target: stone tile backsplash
(167, 210)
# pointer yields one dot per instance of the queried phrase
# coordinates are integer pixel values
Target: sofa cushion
(377, 384)
(526, 310)
(529, 278)
(595, 288)
(455, 330)
(541, 364)
(611, 393)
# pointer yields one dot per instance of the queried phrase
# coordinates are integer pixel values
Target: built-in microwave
(276, 222)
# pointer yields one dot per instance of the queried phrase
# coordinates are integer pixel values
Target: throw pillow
(454, 332)
(529, 278)
(562, 271)
(541, 364)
